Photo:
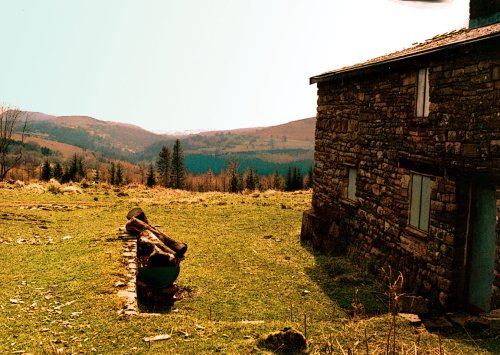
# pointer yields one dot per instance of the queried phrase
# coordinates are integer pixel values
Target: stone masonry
(366, 119)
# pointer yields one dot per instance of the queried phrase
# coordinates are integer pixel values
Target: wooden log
(138, 213)
(149, 238)
(136, 226)
(159, 255)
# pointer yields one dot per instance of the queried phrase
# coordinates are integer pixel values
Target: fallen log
(138, 213)
(153, 252)
(136, 226)
(146, 242)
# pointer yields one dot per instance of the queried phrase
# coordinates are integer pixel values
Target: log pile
(156, 251)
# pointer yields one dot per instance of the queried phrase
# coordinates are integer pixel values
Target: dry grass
(246, 272)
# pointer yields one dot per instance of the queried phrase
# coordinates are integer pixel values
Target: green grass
(244, 263)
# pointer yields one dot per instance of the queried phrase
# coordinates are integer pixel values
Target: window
(422, 109)
(351, 187)
(420, 201)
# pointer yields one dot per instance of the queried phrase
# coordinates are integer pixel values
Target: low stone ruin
(158, 260)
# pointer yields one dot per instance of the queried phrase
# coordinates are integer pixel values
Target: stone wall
(368, 121)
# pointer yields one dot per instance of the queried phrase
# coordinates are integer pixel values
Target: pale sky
(174, 65)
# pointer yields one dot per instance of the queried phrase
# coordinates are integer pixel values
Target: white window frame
(420, 202)
(422, 101)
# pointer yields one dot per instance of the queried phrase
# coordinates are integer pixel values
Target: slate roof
(437, 43)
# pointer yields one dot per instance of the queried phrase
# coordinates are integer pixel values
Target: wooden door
(482, 248)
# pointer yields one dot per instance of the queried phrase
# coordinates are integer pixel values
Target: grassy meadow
(245, 275)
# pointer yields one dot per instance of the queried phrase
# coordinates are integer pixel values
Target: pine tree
(73, 168)
(66, 176)
(119, 175)
(58, 172)
(96, 175)
(164, 166)
(178, 173)
(277, 184)
(81, 169)
(235, 183)
(112, 173)
(151, 181)
(252, 180)
(310, 175)
(289, 180)
(46, 172)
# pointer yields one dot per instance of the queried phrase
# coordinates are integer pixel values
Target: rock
(468, 321)
(157, 337)
(440, 323)
(413, 304)
(414, 319)
(286, 341)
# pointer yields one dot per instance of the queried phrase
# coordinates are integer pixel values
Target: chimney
(483, 12)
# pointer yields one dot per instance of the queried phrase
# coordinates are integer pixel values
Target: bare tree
(12, 120)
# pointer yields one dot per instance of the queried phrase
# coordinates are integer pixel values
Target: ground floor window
(420, 201)
(351, 187)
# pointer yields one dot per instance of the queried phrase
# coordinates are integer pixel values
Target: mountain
(264, 148)
(111, 139)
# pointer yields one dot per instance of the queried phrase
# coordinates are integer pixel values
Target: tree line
(168, 171)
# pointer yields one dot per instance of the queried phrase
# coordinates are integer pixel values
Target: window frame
(422, 100)
(420, 207)
(352, 178)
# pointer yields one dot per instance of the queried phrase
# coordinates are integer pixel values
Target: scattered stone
(157, 337)
(414, 319)
(120, 284)
(14, 301)
(305, 292)
(440, 323)
(468, 322)
(492, 315)
(286, 341)
(252, 322)
(66, 237)
(413, 304)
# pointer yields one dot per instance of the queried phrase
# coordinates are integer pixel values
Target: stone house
(407, 166)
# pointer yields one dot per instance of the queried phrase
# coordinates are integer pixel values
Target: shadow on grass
(356, 290)
(151, 300)
(361, 293)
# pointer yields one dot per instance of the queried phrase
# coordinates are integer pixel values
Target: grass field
(246, 270)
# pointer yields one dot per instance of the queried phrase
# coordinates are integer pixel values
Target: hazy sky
(171, 65)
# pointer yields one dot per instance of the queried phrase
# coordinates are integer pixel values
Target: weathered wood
(136, 226)
(138, 213)
(156, 251)
(149, 238)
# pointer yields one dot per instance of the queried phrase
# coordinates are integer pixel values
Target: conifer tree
(58, 171)
(46, 172)
(235, 184)
(96, 175)
(164, 166)
(73, 168)
(119, 175)
(151, 181)
(112, 173)
(178, 173)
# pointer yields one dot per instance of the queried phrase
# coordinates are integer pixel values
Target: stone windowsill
(349, 203)
(415, 232)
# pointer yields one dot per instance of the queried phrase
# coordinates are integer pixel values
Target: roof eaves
(373, 66)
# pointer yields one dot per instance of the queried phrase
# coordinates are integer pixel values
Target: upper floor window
(420, 201)
(422, 109)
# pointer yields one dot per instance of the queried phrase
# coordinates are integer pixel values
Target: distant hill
(111, 139)
(264, 148)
